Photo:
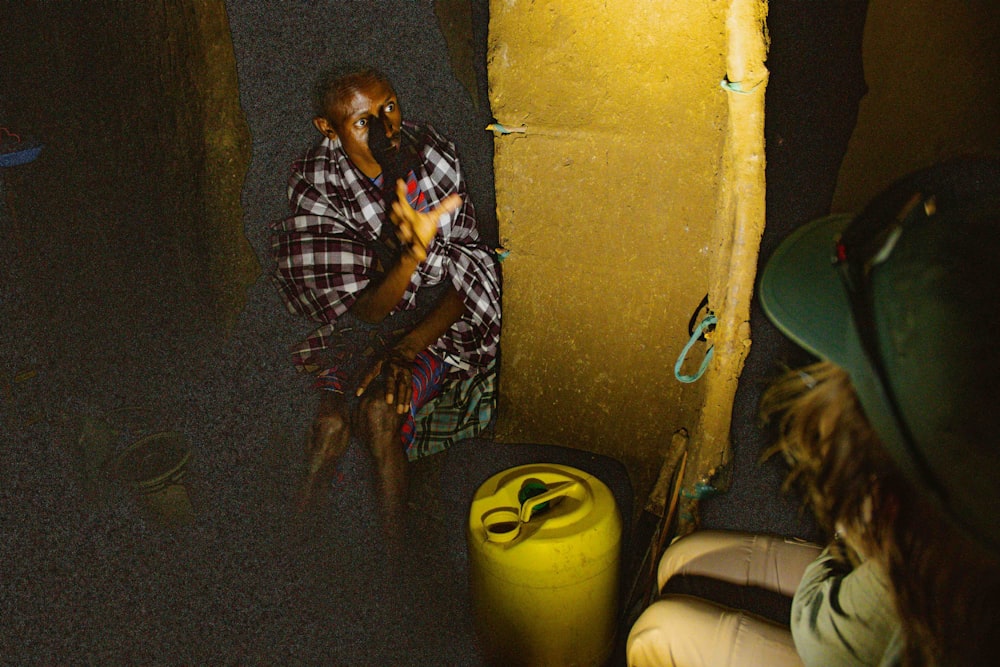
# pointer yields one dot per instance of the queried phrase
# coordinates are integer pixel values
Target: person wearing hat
(891, 437)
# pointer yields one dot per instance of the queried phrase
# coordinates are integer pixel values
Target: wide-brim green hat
(934, 305)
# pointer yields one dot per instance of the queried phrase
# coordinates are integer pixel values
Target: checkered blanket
(326, 251)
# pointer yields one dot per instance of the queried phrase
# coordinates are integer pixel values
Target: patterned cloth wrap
(335, 243)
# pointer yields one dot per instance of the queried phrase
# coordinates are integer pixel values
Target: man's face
(371, 108)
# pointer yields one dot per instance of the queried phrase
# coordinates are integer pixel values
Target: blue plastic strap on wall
(709, 321)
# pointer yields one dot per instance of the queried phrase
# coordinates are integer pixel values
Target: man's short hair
(335, 86)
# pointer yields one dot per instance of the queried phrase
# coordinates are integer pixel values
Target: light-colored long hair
(946, 587)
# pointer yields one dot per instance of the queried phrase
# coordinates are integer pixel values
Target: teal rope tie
(701, 491)
(737, 86)
(710, 320)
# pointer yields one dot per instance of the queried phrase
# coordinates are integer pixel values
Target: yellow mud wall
(931, 67)
(627, 190)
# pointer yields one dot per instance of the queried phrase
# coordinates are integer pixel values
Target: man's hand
(416, 230)
(398, 368)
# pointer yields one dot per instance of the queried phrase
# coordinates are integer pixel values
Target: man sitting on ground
(370, 236)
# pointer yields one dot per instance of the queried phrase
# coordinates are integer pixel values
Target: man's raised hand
(414, 229)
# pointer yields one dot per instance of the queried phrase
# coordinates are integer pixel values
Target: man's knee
(332, 421)
(380, 420)
(331, 424)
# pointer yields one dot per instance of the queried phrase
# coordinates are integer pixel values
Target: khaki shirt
(845, 617)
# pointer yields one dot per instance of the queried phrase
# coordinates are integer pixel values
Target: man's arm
(399, 375)
(444, 314)
(379, 298)
(416, 230)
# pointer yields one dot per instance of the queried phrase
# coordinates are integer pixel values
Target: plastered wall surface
(929, 67)
(608, 203)
(129, 225)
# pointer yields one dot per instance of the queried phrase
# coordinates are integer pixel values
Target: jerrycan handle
(561, 491)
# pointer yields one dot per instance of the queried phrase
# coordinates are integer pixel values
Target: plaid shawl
(325, 250)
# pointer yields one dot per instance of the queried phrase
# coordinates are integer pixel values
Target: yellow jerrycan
(544, 552)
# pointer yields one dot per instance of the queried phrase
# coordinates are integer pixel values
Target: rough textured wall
(607, 204)
(930, 67)
(129, 223)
